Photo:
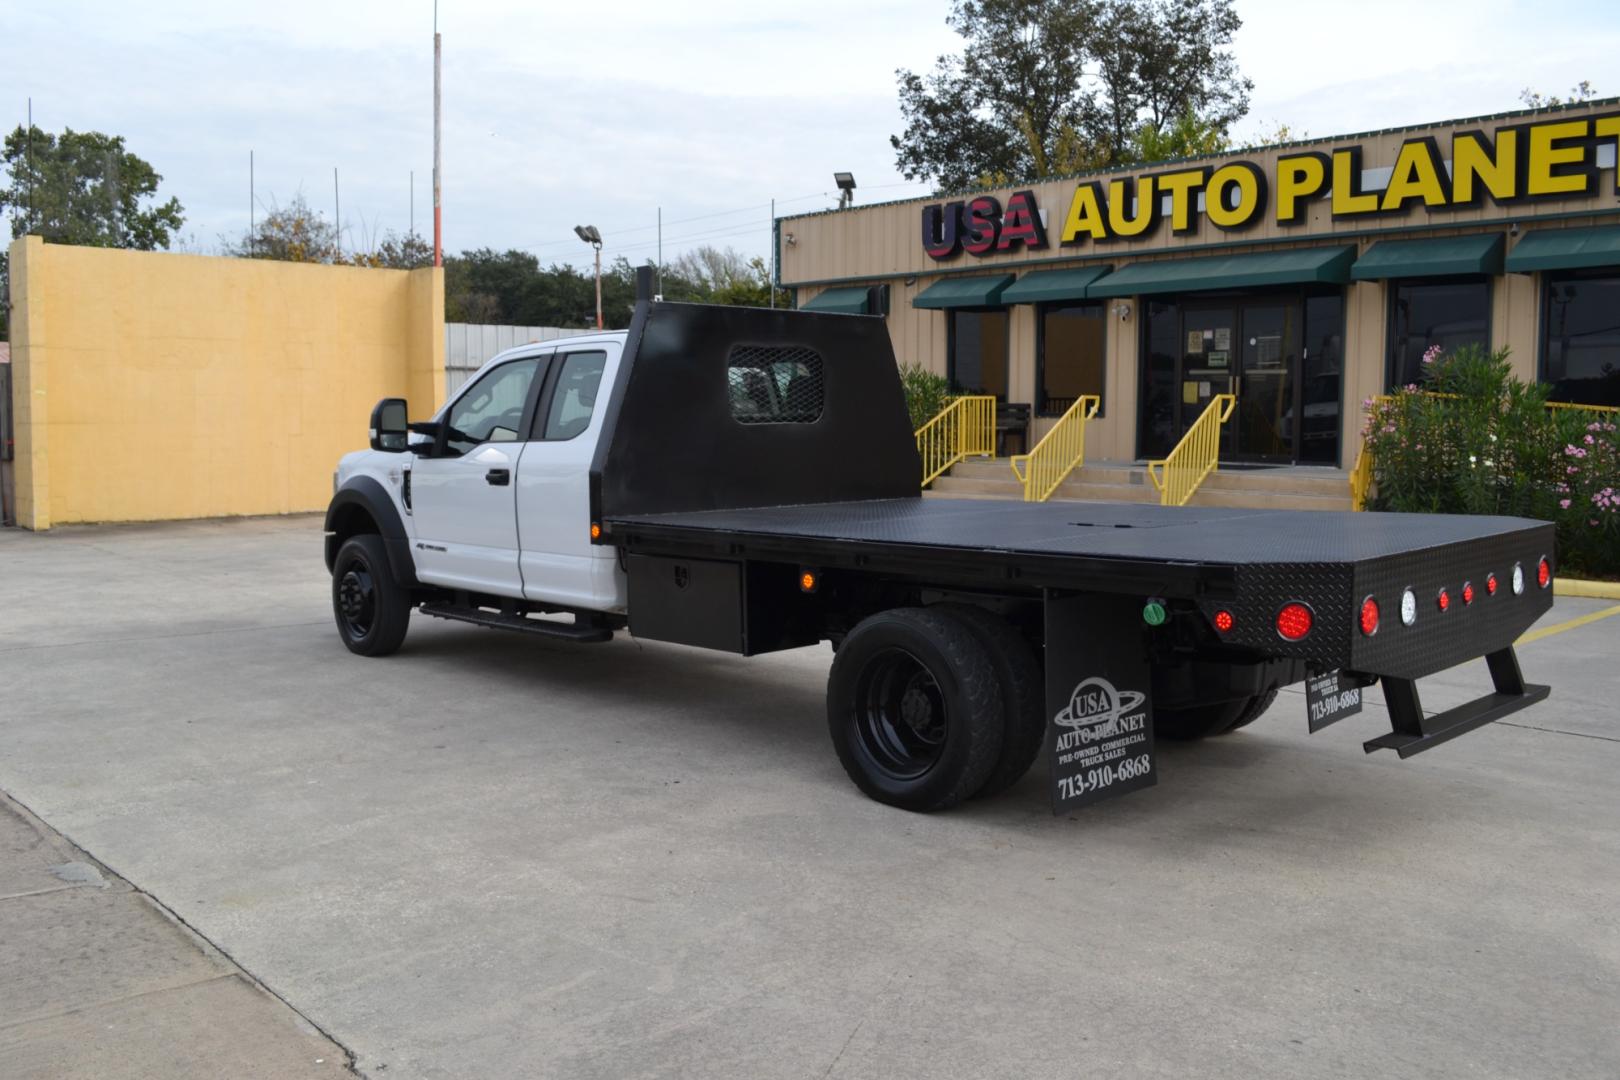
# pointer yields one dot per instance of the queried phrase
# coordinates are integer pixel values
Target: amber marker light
(808, 581)
(596, 531)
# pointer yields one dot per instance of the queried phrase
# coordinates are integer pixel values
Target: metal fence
(467, 346)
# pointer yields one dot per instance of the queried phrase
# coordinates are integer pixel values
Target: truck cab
(492, 494)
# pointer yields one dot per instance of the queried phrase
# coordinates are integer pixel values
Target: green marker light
(1153, 613)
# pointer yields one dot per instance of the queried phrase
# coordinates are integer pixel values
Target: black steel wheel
(914, 709)
(1023, 694)
(372, 612)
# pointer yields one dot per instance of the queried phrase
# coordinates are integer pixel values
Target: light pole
(589, 234)
(846, 189)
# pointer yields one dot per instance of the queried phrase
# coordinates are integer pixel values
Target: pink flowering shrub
(1475, 439)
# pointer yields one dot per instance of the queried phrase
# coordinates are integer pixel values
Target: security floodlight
(846, 188)
(588, 234)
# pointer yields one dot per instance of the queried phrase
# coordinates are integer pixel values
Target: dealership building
(1302, 278)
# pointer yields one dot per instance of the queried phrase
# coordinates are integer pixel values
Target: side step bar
(577, 631)
(1415, 733)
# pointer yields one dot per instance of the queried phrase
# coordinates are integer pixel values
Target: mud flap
(1414, 733)
(1099, 738)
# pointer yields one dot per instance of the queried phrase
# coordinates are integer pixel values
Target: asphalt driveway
(490, 856)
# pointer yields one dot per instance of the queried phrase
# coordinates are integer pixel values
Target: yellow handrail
(1361, 477)
(964, 427)
(1060, 451)
(1198, 454)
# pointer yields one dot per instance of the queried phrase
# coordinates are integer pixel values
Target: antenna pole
(253, 227)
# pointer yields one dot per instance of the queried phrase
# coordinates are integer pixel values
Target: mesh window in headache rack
(775, 384)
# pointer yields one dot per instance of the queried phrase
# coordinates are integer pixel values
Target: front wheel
(914, 709)
(372, 611)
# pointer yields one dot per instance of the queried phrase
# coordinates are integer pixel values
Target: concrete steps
(1286, 488)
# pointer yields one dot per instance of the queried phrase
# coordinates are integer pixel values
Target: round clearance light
(1442, 600)
(1369, 616)
(1490, 584)
(1408, 608)
(1224, 621)
(1544, 572)
(1518, 579)
(808, 581)
(1294, 621)
(1468, 593)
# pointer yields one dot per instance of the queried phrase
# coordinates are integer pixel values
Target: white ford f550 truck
(747, 480)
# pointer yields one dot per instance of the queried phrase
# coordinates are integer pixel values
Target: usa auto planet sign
(1102, 744)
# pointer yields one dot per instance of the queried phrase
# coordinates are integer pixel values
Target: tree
(1580, 92)
(293, 233)
(1050, 86)
(395, 252)
(84, 188)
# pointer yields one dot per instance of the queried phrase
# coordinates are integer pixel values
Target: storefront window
(1581, 350)
(977, 361)
(1070, 356)
(1323, 379)
(1156, 431)
(1423, 314)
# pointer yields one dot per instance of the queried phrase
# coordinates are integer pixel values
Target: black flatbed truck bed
(753, 537)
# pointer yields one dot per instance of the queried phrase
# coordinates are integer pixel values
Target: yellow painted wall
(151, 386)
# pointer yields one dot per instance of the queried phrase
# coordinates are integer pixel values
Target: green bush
(1475, 439)
(926, 393)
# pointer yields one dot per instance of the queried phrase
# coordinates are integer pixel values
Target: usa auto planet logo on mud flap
(1104, 742)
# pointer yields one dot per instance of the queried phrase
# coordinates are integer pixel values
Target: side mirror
(388, 426)
(435, 441)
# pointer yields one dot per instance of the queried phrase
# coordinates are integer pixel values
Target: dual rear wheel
(931, 706)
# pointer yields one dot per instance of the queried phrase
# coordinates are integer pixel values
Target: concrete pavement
(491, 856)
(97, 980)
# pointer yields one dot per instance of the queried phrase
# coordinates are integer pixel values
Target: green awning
(955, 292)
(1566, 249)
(840, 301)
(1295, 267)
(1436, 257)
(1041, 286)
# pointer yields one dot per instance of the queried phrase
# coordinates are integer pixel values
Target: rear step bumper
(1414, 733)
(582, 632)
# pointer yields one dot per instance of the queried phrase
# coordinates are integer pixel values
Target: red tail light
(1543, 572)
(1369, 616)
(1224, 621)
(1468, 593)
(1490, 584)
(1443, 599)
(1294, 621)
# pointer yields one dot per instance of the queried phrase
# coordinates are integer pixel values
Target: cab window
(574, 398)
(492, 409)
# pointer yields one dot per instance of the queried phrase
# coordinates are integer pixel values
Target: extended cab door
(560, 564)
(462, 500)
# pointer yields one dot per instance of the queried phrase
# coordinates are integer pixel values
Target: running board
(581, 632)
(1415, 733)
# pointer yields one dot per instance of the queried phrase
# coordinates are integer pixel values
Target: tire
(1199, 721)
(372, 612)
(1257, 707)
(1207, 721)
(914, 709)
(1023, 694)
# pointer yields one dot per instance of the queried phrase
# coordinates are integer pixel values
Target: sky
(556, 115)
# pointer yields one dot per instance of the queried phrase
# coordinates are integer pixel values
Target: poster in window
(1195, 342)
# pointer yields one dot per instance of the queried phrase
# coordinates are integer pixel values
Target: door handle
(498, 477)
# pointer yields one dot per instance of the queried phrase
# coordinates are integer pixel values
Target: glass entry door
(1249, 350)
